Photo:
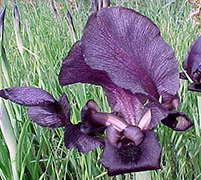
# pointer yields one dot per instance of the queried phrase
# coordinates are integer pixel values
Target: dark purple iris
(122, 51)
(192, 66)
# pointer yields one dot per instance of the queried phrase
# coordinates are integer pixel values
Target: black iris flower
(192, 66)
(121, 51)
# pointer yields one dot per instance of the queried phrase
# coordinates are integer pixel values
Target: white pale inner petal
(117, 122)
(145, 121)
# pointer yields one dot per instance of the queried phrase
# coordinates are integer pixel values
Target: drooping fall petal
(74, 138)
(195, 87)
(178, 121)
(119, 160)
(43, 108)
(27, 96)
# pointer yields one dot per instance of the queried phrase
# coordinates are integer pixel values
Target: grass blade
(16, 21)
(9, 137)
(5, 123)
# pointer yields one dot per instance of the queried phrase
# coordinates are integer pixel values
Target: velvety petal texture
(110, 35)
(27, 96)
(192, 62)
(47, 116)
(43, 108)
(74, 69)
(128, 46)
(119, 160)
(122, 51)
(74, 138)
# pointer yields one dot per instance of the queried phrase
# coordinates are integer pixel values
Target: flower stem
(198, 126)
(145, 175)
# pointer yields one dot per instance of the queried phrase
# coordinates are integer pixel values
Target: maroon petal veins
(27, 96)
(128, 46)
(74, 138)
(74, 69)
(52, 115)
(46, 116)
(125, 159)
(43, 108)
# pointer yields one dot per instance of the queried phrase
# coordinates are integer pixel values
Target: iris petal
(192, 61)
(74, 69)
(43, 108)
(46, 116)
(74, 138)
(96, 64)
(178, 121)
(128, 46)
(149, 154)
(195, 87)
(27, 96)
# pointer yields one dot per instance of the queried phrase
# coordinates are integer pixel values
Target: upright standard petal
(74, 69)
(128, 46)
(130, 106)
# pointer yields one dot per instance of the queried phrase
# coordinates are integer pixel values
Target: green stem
(9, 137)
(198, 126)
(144, 175)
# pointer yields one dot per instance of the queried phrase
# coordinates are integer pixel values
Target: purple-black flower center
(129, 153)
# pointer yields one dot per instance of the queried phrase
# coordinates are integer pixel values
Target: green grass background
(46, 39)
